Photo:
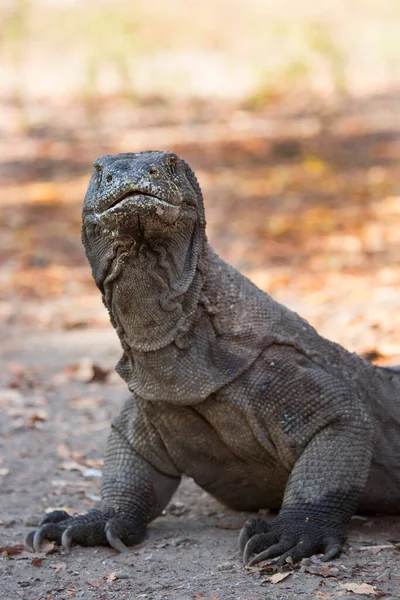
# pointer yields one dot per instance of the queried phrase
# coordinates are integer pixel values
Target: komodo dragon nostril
(109, 178)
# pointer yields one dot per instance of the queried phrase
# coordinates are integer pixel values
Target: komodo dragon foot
(286, 537)
(95, 528)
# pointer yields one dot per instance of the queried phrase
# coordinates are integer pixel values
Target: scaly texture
(227, 386)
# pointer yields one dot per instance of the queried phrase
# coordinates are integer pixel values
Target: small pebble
(226, 566)
(178, 541)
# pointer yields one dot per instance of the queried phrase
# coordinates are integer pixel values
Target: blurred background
(289, 112)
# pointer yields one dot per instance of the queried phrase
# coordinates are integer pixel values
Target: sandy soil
(53, 432)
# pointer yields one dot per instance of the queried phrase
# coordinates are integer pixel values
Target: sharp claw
(66, 539)
(243, 539)
(247, 553)
(271, 552)
(38, 538)
(259, 557)
(28, 542)
(285, 559)
(331, 552)
(115, 541)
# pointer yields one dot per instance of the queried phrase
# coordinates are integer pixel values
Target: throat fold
(152, 292)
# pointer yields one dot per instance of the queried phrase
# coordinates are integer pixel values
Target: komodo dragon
(227, 386)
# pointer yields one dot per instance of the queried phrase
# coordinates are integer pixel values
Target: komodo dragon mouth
(132, 194)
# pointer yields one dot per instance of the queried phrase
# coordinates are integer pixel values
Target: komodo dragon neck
(152, 292)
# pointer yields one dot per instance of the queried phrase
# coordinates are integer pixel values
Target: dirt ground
(304, 200)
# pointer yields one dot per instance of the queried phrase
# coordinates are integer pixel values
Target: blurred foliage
(14, 34)
(140, 48)
(321, 40)
(119, 43)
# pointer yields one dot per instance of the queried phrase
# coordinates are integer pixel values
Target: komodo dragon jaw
(227, 386)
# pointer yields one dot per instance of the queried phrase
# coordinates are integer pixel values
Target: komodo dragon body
(227, 386)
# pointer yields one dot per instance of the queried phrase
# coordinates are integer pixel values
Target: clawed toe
(58, 526)
(50, 528)
(28, 542)
(251, 528)
(114, 541)
(287, 538)
(49, 531)
(259, 545)
(96, 528)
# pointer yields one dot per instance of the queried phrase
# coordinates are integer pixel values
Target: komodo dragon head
(144, 236)
(140, 198)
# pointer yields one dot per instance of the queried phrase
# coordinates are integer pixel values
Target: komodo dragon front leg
(133, 492)
(314, 417)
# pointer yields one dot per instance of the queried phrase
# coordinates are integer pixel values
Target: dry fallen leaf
(99, 374)
(112, 576)
(47, 547)
(359, 588)
(37, 562)
(277, 577)
(322, 570)
(96, 463)
(87, 372)
(58, 566)
(71, 465)
(39, 416)
(25, 555)
(63, 451)
(10, 550)
(376, 549)
(97, 583)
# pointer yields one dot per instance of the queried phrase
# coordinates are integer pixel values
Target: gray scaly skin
(227, 386)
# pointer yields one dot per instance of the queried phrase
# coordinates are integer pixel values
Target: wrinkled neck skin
(152, 288)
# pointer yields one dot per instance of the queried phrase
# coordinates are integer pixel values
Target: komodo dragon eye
(109, 178)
